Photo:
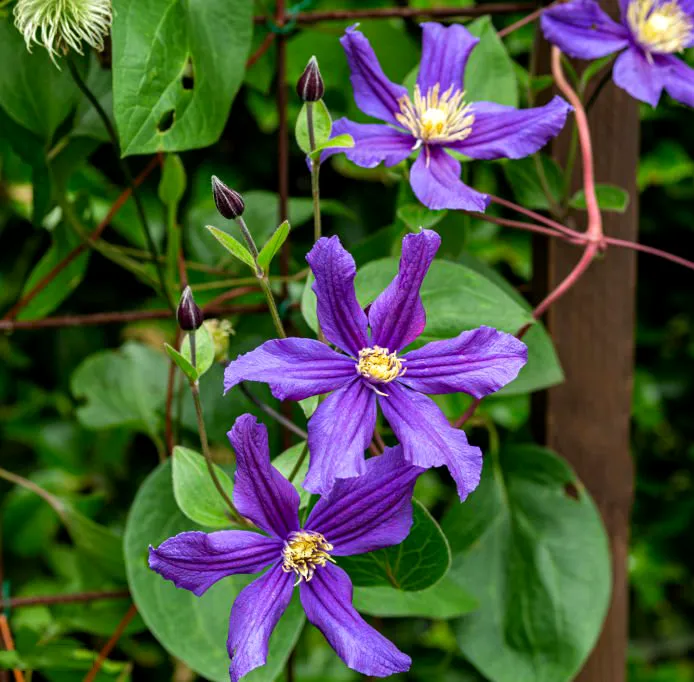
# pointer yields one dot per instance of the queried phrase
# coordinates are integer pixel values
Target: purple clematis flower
(437, 118)
(647, 36)
(361, 515)
(372, 372)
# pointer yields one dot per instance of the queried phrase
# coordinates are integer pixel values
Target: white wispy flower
(63, 25)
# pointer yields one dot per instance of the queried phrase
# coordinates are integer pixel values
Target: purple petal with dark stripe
(293, 368)
(397, 316)
(195, 560)
(476, 362)
(338, 433)
(371, 511)
(581, 29)
(428, 440)
(261, 493)
(341, 318)
(374, 93)
(678, 79)
(642, 79)
(504, 132)
(435, 180)
(445, 51)
(254, 616)
(327, 600)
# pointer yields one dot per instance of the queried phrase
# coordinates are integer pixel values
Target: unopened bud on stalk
(229, 203)
(188, 313)
(310, 86)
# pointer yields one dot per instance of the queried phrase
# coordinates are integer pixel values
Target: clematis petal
(476, 362)
(327, 600)
(678, 78)
(373, 143)
(374, 93)
(642, 80)
(338, 433)
(261, 493)
(195, 561)
(581, 29)
(504, 132)
(341, 318)
(397, 316)
(371, 511)
(445, 51)
(428, 440)
(435, 180)
(293, 368)
(254, 616)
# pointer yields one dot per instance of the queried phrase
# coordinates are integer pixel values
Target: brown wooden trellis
(586, 419)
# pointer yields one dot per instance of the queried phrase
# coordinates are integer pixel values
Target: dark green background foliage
(511, 586)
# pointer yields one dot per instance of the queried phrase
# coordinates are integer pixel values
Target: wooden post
(587, 419)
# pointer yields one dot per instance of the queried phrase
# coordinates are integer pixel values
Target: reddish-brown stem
(78, 250)
(122, 317)
(536, 216)
(635, 246)
(262, 49)
(111, 644)
(529, 18)
(407, 12)
(49, 599)
(8, 642)
(528, 227)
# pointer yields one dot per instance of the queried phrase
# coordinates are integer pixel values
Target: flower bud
(310, 86)
(188, 314)
(229, 203)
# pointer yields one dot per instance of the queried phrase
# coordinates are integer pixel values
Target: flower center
(379, 365)
(304, 551)
(435, 117)
(660, 26)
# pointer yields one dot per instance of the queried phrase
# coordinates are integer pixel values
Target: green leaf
(195, 493)
(610, 198)
(285, 462)
(191, 628)
(176, 69)
(204, 350)
(339, 141)
(667, 164)
(415, 564)
(522, 175)
(322, 125)
(124, 387)
(416, 216)
(64, 283)
(530, 545)
(233, 246)
(442, 601)
(181, 362)
(490, 75)
(173, 181)
(273, 245)
(34, 92)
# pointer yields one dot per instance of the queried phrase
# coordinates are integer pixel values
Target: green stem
(195, 390)
(248, 238)
(84, 88)
(277, 320)
(298, 463)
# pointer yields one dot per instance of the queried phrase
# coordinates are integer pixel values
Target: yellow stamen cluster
(660, 27)
(379, 365)
(304, 551)
(436, 117)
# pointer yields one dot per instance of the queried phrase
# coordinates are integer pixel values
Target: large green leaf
(176, 69)
(442, 601)
(123, 387)
(528, 188)
(530, 545)
(63, 284)
(417, 563)
(489, 74)
(191, 628)
(33, 91)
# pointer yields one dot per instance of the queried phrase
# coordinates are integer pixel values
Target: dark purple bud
(310, 86)
(188, 314)
(229, 203)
